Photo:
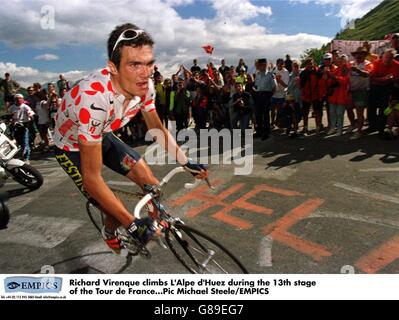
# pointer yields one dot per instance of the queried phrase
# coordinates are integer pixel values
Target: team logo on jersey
(128, 162)
(93, 107)
(95, 127)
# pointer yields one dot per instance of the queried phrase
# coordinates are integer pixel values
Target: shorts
(9, 98)
(43, 129)
(277, 102)
(117, 156)
(360, 98)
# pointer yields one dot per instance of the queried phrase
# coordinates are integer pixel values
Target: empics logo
(33, 284)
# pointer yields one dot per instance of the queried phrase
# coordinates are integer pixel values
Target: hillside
(382, 20)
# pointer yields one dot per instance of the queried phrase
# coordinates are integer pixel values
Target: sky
(39, 39)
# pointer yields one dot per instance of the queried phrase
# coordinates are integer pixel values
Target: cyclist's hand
(197, 170)
(142, 229)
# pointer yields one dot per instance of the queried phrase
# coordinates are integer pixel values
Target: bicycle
(195, 250)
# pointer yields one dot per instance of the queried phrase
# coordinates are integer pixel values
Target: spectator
(223, 69)
(180, 102)
(294, 84)
(323, 93)
(43, 113)
(310, 80)
(242, 103)
(37, 87)
(385, 72)
(360, 86)
(395, 44)
(22, 115)
(372, 57)
(335, 56)
(225, 99)
(242, 77)
(10, 88)
(288, 63)
(160, 100)
(241, 63)
(63, 92)
(265, 86)
(200, 104)
(62, 84)
(195, 67)
(53, 104)
(167, 84)
(338, 83)
(32, 98)
(51, 89)
(392, 114)
(32, 101)
(278, 99)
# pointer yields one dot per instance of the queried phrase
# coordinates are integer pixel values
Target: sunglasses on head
(129, 34)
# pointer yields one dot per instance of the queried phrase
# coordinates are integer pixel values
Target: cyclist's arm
(165, 139)
(94, 184)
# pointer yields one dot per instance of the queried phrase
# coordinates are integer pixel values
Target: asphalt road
(310, 205)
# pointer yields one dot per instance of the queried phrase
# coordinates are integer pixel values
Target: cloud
(47, 57)
(178, 40)
(27, 75)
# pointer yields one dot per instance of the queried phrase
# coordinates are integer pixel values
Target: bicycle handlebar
(164, 181)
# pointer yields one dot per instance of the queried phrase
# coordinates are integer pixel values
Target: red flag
(208, 48)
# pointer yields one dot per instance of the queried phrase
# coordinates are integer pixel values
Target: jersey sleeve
(92, 115)
(149, 101)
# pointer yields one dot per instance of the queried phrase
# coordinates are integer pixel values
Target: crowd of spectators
(364, 87)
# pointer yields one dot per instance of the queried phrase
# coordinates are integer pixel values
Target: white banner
(199, 287)
(347, 46)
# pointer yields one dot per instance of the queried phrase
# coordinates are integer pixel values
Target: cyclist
(104, 102)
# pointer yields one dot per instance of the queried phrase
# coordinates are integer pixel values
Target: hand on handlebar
(142, 229)
(199, 171)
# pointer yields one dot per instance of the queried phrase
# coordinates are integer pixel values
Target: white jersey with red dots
(92, 108)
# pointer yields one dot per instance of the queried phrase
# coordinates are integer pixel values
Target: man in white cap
(22, 115)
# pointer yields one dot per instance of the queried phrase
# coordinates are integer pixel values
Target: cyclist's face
(136, 67)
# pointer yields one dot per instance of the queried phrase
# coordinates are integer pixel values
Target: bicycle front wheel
(199, 253)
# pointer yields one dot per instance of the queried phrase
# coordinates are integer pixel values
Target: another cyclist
(104, 102)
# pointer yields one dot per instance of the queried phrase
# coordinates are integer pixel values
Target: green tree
(315, 53)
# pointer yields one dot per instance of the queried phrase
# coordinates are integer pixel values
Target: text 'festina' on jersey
(92, 108)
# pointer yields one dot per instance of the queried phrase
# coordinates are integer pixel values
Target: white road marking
(265, 252)
(356, 217)
(380, 170)
(39, 231)
(374, 195)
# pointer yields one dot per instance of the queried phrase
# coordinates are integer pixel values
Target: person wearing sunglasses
(104, 102)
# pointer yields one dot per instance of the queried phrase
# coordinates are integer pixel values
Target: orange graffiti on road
(278, 229)
(379, 258)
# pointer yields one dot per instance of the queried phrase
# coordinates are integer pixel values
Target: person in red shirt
(382, 78)
(309, 80)
(338, 86)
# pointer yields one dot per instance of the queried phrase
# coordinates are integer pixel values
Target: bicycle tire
(95, 215)
(188, 244)
(27, 175)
